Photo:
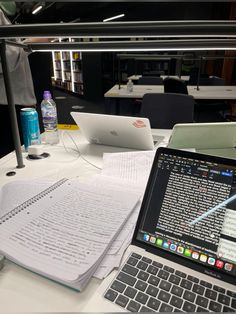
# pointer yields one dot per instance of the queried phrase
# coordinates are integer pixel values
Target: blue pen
(212, 210)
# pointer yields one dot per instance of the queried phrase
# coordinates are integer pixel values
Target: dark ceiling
(97, 11)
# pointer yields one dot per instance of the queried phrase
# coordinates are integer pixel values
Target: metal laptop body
(121, 131)
(203, 136)
(183, 252)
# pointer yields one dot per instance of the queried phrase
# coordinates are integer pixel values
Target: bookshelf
(67, 70)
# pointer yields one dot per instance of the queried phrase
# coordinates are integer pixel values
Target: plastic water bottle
(130, 86)
(49, 114)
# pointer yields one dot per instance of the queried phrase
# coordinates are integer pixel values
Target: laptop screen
(189, 209)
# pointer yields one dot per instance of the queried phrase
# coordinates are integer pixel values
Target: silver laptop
(183, 253)
(121, 131)
(203, 135)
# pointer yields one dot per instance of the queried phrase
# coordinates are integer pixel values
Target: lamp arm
(11, 104)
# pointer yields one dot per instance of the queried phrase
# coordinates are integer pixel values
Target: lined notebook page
(119, 245)
(65, 232)
(16, 192)
(130, 169)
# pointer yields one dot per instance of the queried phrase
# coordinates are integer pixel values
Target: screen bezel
(161, 252)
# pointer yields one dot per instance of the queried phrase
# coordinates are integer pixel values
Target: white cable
(77, 149)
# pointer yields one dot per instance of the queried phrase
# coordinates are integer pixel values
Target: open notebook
(64, 232)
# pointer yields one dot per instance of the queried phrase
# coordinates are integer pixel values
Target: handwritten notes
(63, 234)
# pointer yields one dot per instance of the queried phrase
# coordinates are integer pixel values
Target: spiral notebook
(64, 232)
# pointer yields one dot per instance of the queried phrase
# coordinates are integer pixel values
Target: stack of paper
(64, 232)
(123, 174)
(129, 169)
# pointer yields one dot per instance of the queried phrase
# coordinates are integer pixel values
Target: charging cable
(77, 149)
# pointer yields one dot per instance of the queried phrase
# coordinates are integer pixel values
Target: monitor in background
(121, 131)
(203, 135)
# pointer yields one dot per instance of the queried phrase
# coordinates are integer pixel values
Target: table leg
(117, 106)
(233, 108)
(112, 106)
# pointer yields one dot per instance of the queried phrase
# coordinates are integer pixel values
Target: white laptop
(183, 253)
(203, 135)
(121, 131)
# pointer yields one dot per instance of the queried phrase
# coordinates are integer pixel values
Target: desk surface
(22, 290)
(204, 92)
(136, 77)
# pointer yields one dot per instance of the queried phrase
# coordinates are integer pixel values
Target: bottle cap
(35, 149)
(47, 94)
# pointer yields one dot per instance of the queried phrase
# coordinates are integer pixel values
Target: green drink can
(30, 127)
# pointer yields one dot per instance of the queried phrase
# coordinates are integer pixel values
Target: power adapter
(36, 152)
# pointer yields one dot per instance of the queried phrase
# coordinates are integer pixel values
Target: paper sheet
(132, 170)
(115, 253)
(62, 234)
(113, 259)
(129, 169)
(134, 166)
(16, 192)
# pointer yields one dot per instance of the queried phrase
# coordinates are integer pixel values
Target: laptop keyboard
(144, 285)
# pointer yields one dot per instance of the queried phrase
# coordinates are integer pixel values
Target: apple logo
(113, 132)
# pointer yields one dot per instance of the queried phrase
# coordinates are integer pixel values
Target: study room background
(95, 73)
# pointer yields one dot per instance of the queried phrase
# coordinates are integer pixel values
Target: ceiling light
(161, 29)
(113, 18)
(145, 45)
(37, 8)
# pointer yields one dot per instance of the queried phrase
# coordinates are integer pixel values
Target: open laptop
(121, 131)
(203, 135)
(183, 252)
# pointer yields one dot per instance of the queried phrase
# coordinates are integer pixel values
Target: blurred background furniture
(165, 110)
(175, 85)
(150, 80)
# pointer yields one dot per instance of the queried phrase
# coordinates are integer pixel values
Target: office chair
(174, 85)
(164, 110)
(150, 80)
(211, 81)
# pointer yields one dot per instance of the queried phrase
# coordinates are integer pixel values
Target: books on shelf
(76, 66)
(64, 231)
(67, 75)
(57, 55)
(79, 88)
(67, 68)
(76, 55)
(78, 77)
(57, 65)
(65, 55)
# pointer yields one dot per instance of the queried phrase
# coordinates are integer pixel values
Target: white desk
(136, 77)
(22, 290)
(204, 92)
